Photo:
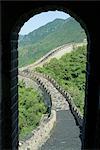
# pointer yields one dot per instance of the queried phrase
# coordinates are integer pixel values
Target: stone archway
(9, 113)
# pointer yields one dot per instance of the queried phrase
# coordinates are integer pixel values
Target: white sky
(41, 19)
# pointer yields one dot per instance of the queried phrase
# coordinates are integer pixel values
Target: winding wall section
(45, 79)
(71, 131)
(55, 53)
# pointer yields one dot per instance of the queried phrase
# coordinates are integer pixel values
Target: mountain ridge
(46, 26)
(42, 40)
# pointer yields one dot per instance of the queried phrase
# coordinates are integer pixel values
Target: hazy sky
(40, 20)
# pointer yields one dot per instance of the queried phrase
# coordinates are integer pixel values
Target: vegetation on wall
(42, 40)
(31, 108)
(69, 72)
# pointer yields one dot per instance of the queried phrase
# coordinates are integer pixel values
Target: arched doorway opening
(54, 47)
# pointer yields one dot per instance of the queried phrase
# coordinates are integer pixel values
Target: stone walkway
(66, 134)
(58, 100)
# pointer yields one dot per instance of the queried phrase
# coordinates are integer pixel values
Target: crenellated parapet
(76, 112)
(39, 78)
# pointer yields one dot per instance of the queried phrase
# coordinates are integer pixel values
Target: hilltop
(37, 43)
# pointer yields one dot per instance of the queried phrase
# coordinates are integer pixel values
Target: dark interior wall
(13, 15)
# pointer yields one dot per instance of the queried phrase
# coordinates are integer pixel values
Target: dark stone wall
(13, 16)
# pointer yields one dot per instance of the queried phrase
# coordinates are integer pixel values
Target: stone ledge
(41, 134)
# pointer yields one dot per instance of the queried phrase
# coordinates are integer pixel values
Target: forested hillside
(37, 43)
(69, 72)
(31, 108)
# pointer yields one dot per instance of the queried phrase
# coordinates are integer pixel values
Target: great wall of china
(61, 100)
(55, 53)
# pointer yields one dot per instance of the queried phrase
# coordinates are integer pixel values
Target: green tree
(31, 108)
